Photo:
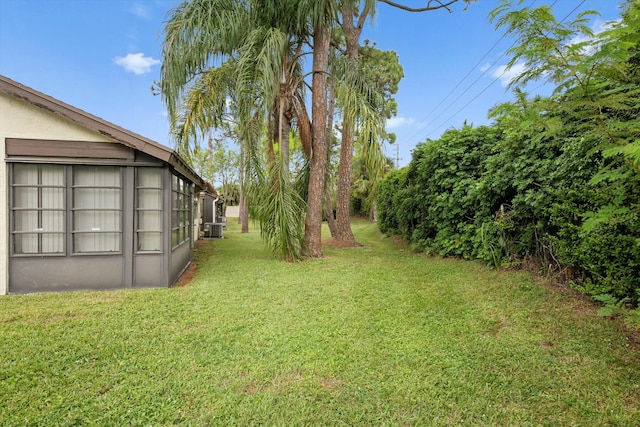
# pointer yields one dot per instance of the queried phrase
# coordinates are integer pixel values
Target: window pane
(149, 177)
(25, 174)
(149, 220)
(149, 241)
(175, 237)
(52, 175)
(52, 243)
(174, 219)
(149, 199)
(96, 176)
(25, 243)
(52, 221)
(52, 198)
(96, 221)
(96, 198)
(26, 221)
(96, 242)
(25, 197)
(174, 200)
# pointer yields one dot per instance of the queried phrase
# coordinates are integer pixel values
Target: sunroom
(93, 206)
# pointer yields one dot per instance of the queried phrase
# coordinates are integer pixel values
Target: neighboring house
(88, 204)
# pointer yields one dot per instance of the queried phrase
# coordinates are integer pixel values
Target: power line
(475, 81)
(458, 85)
(473, 68)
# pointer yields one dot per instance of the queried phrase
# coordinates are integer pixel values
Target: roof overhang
(101, 126)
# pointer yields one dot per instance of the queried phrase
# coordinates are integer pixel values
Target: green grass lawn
(373, 335)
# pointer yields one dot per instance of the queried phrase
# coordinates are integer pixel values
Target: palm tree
(249, 52)
(244, 55)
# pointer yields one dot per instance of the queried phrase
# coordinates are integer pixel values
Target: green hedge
(480, 193)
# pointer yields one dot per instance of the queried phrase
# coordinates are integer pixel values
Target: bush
(481, 194)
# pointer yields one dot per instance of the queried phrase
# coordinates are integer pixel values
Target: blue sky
(103, 56)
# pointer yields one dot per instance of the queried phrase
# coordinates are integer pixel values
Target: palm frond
(196, 34)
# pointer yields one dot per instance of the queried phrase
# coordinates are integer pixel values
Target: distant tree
(354, 16)
(202, 162)
(226, 166)
(365, 187)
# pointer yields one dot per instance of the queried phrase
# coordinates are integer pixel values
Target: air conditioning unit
(215, 230)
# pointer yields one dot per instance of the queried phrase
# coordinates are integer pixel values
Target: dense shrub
(554, 179)
(482, 194)
(394, 182)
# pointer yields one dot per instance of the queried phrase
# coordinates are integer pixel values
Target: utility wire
(475, 81)
(473, 68)
(456, 87)
(500, 76)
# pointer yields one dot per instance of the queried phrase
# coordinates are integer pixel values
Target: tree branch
(438, 5)
(363, 17)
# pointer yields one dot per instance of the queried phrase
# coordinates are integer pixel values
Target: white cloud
(140, 10)
(136, 63)
(505, 75)
(598, 27)
(396, 122)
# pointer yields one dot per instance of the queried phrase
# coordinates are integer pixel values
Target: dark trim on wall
(52, 148)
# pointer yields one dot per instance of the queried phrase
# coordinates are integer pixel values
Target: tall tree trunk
(304, 128)
(318, 165)
(343, 195)
(328, 203)
(283, 141)
(243, 215)
(328, 209)
(352, 33)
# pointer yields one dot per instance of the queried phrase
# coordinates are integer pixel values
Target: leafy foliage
(554, 179)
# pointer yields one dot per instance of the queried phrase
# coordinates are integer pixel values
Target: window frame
(141, 229)
(73, 232)
(181, 211)
(40, 210)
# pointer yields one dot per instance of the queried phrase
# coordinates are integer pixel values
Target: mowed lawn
(374, 335)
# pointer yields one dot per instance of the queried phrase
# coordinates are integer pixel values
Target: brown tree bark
(328, 210)
(344, 234)
(318, 165)
(243, 214)
(304, 128)
(328, 203)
